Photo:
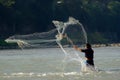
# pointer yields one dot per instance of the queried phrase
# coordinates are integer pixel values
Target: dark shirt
(89, 53)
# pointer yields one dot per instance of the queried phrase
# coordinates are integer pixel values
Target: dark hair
(88, 45)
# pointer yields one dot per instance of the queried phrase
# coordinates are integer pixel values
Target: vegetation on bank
(5, 45)
(101, 18)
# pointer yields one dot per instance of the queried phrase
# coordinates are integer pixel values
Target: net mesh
(65, 35)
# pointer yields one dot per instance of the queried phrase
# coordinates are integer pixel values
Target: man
(89, 54)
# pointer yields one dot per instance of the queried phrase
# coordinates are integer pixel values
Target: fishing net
(64, 36)
(66, 33)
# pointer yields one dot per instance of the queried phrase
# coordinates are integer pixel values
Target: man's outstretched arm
(77, 48)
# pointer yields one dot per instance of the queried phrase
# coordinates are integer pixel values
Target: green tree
(114, 7)
(7, 3)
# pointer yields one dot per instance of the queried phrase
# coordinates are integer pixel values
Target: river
(47, 64)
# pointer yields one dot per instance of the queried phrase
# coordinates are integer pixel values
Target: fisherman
(89, 54)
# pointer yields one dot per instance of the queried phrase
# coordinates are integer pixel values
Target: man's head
(88, 45)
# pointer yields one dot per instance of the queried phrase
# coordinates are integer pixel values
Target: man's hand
(76, 47)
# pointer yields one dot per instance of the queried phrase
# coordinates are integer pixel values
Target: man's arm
(77, 48)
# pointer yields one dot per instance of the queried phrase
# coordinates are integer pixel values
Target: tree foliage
(28, 16)
(7, 3)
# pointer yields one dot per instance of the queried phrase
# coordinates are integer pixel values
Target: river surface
(47, 64)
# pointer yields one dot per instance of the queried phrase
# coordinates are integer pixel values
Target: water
(47, 64)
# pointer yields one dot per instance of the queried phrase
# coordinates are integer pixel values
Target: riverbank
(5, 45)
(106, 45)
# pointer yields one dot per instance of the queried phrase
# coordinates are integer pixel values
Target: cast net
(64, 36)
